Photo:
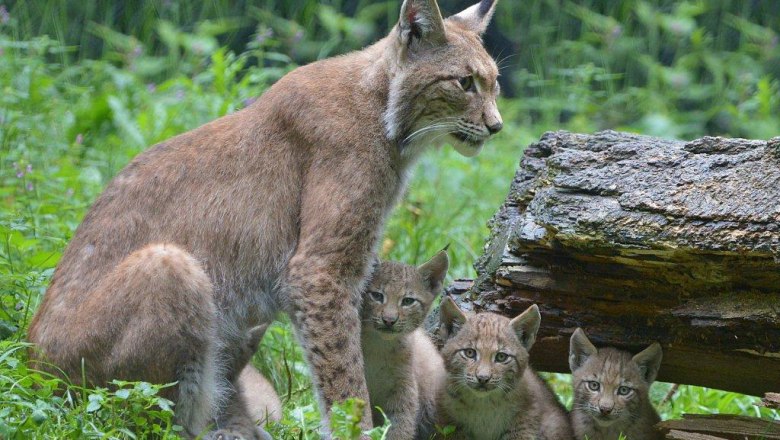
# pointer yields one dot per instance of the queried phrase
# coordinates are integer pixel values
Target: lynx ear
(649, 361)
(580, 349)
(421, 23)
(451, 316)
(434, 270)
(477, 17)
(526, 325)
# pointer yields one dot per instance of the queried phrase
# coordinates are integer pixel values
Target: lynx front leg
(403, 411)
(342, 210)
(326, 318)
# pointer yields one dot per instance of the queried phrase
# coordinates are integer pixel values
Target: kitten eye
(377, 296)
(624, 391)
(501, 357)
(469, 353)
(467, 83)
(408, 301)
(593, 385)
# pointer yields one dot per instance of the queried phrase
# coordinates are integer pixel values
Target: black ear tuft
(477, 17)
(484, 7)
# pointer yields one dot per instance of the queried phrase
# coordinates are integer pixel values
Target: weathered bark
(771, 400)
(727, 427)
(638, 239)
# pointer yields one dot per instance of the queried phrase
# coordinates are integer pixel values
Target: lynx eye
(469, 353)
(467, 83)
(501, 357)
(377, 296)
(593, 385)
(624, 391)
(408, 301)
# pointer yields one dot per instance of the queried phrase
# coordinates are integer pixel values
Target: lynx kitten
(610, 391)
(491, 393)
(255, 391)
(403, 369)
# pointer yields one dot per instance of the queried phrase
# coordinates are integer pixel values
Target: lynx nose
(605, 411)
(483, 379)
(495, 128)
(389, 322)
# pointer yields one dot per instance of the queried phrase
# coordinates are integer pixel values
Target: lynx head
(609, 385)
(399, 295)
(443, 82)
(485, 353)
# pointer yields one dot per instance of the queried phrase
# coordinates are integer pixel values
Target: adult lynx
(277, 207)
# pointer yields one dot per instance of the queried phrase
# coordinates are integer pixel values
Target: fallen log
(727, 427)
(771, 400)
(639, 239)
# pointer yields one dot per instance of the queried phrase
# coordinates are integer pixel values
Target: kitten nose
(389, 321)
(482, 379)
(605, 411)
(495, 128)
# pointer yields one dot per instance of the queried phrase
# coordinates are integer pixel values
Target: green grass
(66, 127)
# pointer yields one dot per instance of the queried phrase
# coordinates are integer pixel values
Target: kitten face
(609, 384)
(486, 353)
(399, 296)
(485, 356)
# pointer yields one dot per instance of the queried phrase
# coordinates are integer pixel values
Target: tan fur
(262, 402)
(491, 392)
(256, 399)
(603, 414)
(276, 207)
(403, 369)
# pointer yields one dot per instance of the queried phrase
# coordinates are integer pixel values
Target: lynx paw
(230, 434)
(262, 435)
(227, 434)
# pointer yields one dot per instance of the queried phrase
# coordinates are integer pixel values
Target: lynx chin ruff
(276, 207)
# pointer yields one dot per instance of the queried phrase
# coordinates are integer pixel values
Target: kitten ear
(649, 361)
(255, 335)
(434, 271)
(580, 349)
(421, 23)
(526, 325)
(451, 317)
(477, 17)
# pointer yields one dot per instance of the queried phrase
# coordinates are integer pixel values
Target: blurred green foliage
(667, 68)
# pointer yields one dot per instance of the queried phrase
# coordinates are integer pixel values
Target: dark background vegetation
(672, 68)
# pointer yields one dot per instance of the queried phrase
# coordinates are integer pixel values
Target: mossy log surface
(638, 239)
